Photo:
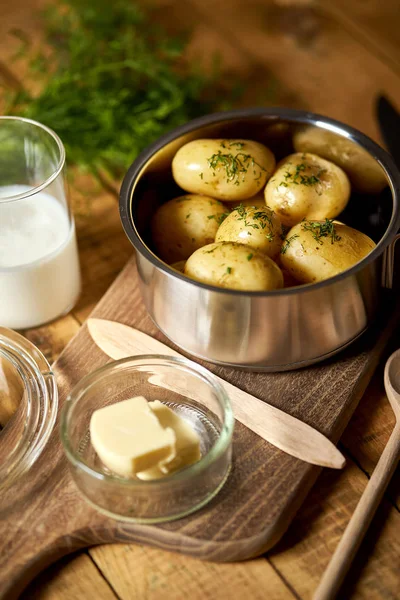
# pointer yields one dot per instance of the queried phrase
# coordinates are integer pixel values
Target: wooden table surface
(330, 56)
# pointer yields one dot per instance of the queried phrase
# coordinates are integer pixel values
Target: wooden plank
(370, 430)
(374, 24)
(151, 574)
(103, 247)
(70, 579)
(327, 69)
(51, 339)
(303, 554)
(20, 16)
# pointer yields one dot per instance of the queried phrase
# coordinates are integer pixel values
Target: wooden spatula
(277, 427)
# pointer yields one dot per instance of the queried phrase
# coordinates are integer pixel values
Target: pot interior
(371, 206)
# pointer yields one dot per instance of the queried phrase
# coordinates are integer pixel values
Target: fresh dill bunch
(112, 82)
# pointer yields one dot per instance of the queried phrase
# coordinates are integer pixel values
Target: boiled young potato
(365, 174)
(259, 228)
(229, 170)
(234, 266)
(184, 224)
(317, 250)
(305, 186)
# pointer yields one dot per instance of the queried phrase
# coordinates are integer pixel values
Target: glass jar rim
(61, 160)
(219, 447)
(41, 389)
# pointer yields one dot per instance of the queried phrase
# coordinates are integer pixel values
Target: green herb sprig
(235, 166)
(232, 144)
(287, 242)
(299, 178)
(219, 218)
(261, 220)
(320, 230)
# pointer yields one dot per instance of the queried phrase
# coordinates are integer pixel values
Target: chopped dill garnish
(229, 270)
(321, 230)
(287, 243)
(262, 218)
(201, 175)
(232, 144)
(235, 165)
(249, 256)
(299, 178)
(187, 216)
(219, 218)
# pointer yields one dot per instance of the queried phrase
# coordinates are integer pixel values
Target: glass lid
(28, 405)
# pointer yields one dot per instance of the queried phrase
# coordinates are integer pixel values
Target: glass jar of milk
(39, 265)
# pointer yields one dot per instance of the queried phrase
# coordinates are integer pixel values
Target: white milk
(39, 266)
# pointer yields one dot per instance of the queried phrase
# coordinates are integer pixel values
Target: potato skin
(259, 228)
(234, 266)
(364, 173)
(230, 170)
(184, 224)
(309, 260)
(305, 186)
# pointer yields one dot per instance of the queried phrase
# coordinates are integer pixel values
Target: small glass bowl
(187, 388)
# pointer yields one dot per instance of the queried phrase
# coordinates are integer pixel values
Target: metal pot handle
(388, 264)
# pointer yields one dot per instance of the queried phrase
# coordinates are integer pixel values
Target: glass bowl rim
(39, 383)
(61, 160)
(219, 447)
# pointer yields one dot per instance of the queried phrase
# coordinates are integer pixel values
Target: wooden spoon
(373, 493)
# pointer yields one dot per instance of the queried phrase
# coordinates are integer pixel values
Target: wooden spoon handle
(346, 550)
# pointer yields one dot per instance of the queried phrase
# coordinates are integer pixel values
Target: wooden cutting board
(47, 518)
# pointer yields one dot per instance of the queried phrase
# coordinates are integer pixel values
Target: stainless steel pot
(263, 331)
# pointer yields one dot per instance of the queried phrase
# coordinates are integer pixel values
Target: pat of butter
(128, 437)
(187, 445)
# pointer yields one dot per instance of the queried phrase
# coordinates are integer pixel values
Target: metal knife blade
(389, 123)
(275, 426)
